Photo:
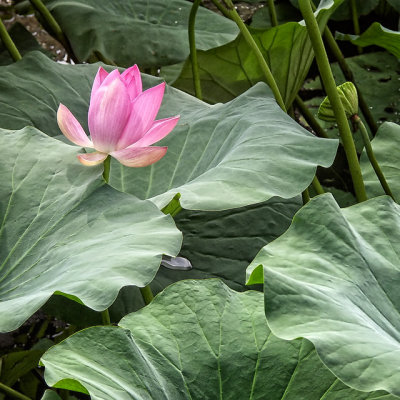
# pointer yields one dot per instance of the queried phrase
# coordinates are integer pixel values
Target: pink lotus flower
(121, 120)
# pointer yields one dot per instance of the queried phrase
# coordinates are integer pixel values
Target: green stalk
(317, 186)
(107, 166)
(309, 117)
(253, 45)
(347, 72)
(13, 393)
(221, 8)
(8, 43)
(54, 26)
(371, 156)
(330, 87)
(105, 317)
(272, 13)
(356, 25)
(147, 294)
(305, 196)
(193, 52)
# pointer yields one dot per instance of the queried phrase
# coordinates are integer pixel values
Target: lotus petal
(133, 81)
(71, 128)
(98, 80)
(108, 114)
(139, 156)
(144, 111)
(90, 159)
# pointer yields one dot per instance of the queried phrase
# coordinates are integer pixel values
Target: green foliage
(333, 279)
(56, 217)
(219, 157)
(150, 33)
(229, 70)
(377, 35)
(196, 340)
(386, 146)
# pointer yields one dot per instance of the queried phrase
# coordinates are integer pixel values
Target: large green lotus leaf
(230, 155)
(376, 35)
(127, 32)
(63, 229)
(229, 70)
(218, 244)
(334, 279)
(386, 146)
(219, 157)
(196, 340)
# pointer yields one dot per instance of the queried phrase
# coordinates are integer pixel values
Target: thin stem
(371, 156)
(106, 172)
(221, 8)
(330, 87)
(305, 196)
(54, 26)
(309, 117)
(356, 25)
(105, 317)
(260, 58)
(147, 294)
(348, 74)
(272, 13)
(13, 393)
(317, 186)
(193, 52)
(8, 43)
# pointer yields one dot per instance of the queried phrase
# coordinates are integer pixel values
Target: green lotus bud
(348, 97)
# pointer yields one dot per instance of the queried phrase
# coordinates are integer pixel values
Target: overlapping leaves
(229, 70)
(196, 340)
(219, 157)
(333, 278)
(57, 216)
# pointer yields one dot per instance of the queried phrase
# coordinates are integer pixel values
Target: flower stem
(356, 25)
(371, 156)
(330, 87)
(105, 317)
(305, 196)
(8, 43)
(54, 26)
(309, 117)
(232, 13)
(272, 13)
(317, 186)
(348, 74)
(193, 52)
(147, 294)
(106, 172)
(13, 393)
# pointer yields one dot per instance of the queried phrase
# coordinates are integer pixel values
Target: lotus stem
(54, 26)
(147, 294)
(317, 186)
(221, 8)
(13, 393)
(309, 117)
(371, 156)
(330, 87)
(105, 317)
(107, 167)
(253, 45)
(8, 43)
(347, 72)
(193, 52)
(356, 25)
(272, 13)
(305, 196)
